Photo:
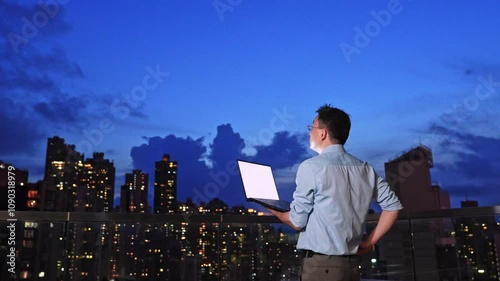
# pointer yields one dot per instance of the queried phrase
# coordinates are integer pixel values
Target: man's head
(331, 126)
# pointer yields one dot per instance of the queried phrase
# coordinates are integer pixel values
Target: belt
(309, 253)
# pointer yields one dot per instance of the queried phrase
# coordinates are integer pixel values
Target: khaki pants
(330, 268)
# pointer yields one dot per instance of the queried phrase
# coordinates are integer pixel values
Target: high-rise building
(94, 190)
(72, 184)
(38, 246)
(409, 175)
(134, 194)
(468, 203)
(63, 169)
(165, 194)
(88, 243)
(99, 175)
(476, 248)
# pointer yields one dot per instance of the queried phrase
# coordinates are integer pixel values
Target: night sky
(212, 81)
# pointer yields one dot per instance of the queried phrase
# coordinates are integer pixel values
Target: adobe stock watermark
(363, 36)
(223, 6)
(11, 227)
(221, 179)
(277, 123)
(46, 10)
(460, 112)
(457, 113)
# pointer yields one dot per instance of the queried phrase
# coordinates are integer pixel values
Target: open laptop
(260, 187)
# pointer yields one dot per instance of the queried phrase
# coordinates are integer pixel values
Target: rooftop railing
(454, 244)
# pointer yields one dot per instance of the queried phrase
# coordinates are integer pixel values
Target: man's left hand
(364, 248)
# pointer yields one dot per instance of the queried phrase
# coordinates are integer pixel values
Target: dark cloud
(37, 70)
(56, 61)
(226, 147)
(467, 164)
(471, 68)
(31, 22)
(284, 150)
(31, 78)
(15, 10)
(203, 182)
(117, 106)
(61, 109)
(138, 113)
(17, 79)
(22, 139)
(20, 135)
(34, 79)
(188, 152)
(111, 152)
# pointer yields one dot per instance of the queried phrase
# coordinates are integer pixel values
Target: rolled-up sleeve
(303, 196)
(385, 197)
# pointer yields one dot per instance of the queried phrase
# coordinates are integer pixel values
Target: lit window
(24, 274)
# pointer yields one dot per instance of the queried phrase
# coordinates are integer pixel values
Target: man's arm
(284, 217)
(303, 198)
(391, 207)
(385, 222)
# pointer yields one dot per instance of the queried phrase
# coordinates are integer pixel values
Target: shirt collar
(335, 148)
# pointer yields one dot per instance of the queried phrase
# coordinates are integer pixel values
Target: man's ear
(324, 134)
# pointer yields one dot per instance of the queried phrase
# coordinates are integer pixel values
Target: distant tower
(409, 175)
(468, 203)
(63, 167)
(72, 184)
(134, 194)
(477, 245)
(165, 186)
(99, 175)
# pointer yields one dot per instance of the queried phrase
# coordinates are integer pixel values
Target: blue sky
(210, 81)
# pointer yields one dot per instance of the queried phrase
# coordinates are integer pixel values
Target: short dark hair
(336, 121)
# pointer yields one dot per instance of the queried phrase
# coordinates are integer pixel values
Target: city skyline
(209, 83)
(88, 179)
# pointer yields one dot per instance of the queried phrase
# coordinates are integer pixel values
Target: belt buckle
(309, 254)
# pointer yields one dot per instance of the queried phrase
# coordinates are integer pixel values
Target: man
(331, 201)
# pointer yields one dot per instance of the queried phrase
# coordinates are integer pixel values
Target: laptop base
(277, 205)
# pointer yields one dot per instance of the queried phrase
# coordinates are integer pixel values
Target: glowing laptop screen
(258, 180)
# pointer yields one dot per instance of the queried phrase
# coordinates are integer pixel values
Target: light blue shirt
(332, 199)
